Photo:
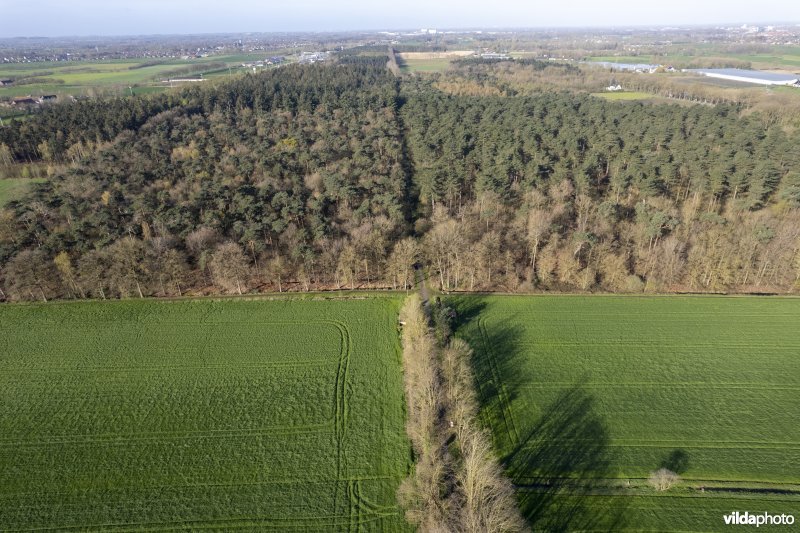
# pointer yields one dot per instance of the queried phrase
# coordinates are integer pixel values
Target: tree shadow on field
(498, 364)
(561, 464)
(677, 461)
(564, 466)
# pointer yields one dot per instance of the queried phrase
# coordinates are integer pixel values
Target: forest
(343, 175)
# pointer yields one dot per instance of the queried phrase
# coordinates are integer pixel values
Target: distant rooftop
(742, 73)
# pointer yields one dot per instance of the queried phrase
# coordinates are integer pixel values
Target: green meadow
(121, 76)
(198, 414)
(424, 65)
(15, 188)
(587, 395)
(781, 57)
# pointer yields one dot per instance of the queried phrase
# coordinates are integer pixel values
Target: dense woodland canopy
(342, 175)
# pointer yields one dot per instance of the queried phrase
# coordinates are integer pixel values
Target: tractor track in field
(341, 409)
(502, 392)
(328, 417)
(311, 523)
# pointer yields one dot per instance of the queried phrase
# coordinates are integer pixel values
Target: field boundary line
(244, 522)
(143, 370)
(209, 434)
(292, 481)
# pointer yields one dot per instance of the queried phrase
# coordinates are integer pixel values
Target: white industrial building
(749, 76)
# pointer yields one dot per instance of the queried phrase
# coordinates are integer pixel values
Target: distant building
(756, 77)
(494, 55)
(614, 88)
(628, 67)
(314, 57)
(183, 80)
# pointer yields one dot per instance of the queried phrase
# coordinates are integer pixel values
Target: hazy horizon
(47, 18)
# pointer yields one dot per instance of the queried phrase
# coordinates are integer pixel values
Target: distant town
(35, 71)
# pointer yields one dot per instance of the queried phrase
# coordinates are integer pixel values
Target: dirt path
(419, 274)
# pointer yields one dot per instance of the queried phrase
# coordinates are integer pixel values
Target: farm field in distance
(624, 95)
(138, 76)
(783, 58)
(424, 65)
(284, 414)
(586, 395)
(412, 62)
(13, 189)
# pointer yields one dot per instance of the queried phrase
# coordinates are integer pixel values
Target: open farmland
(588, 395)
(779, 57)
(115, 76)
(421, 62)
(424, 65)
(624, 95)
(283, 414)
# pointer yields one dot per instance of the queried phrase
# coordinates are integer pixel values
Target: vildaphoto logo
(761, 519)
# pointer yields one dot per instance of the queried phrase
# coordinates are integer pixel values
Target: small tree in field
(663, 479)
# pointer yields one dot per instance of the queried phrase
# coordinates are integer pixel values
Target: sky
(50, 18)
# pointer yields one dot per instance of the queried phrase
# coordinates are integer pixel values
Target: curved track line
(341, 411)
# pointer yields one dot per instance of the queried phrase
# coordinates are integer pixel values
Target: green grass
(787, 58)
(13, 189)
(624, 95)
(82, 77)
(425, 65)
(284, 415)
(649, 60)
(587, 393)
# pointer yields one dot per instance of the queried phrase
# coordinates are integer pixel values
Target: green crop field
(624, 95)
(13, 189)
(785, 58)
(201, 414)
(586, 395)
(120, 76)
(424, 65)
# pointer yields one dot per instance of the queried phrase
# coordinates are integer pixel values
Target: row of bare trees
(564, 240)
(161, 265)
(457, 483)
(129, 267)
(423, 495)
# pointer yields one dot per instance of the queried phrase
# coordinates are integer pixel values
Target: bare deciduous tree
(64, 265)
(229, 267)
(30, 275)
(400, 269)
(486, 497)
(421, 494)
(663, 479)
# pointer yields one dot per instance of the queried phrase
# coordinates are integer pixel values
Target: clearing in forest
(14, 189)
(586, 395)
(284, 414)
